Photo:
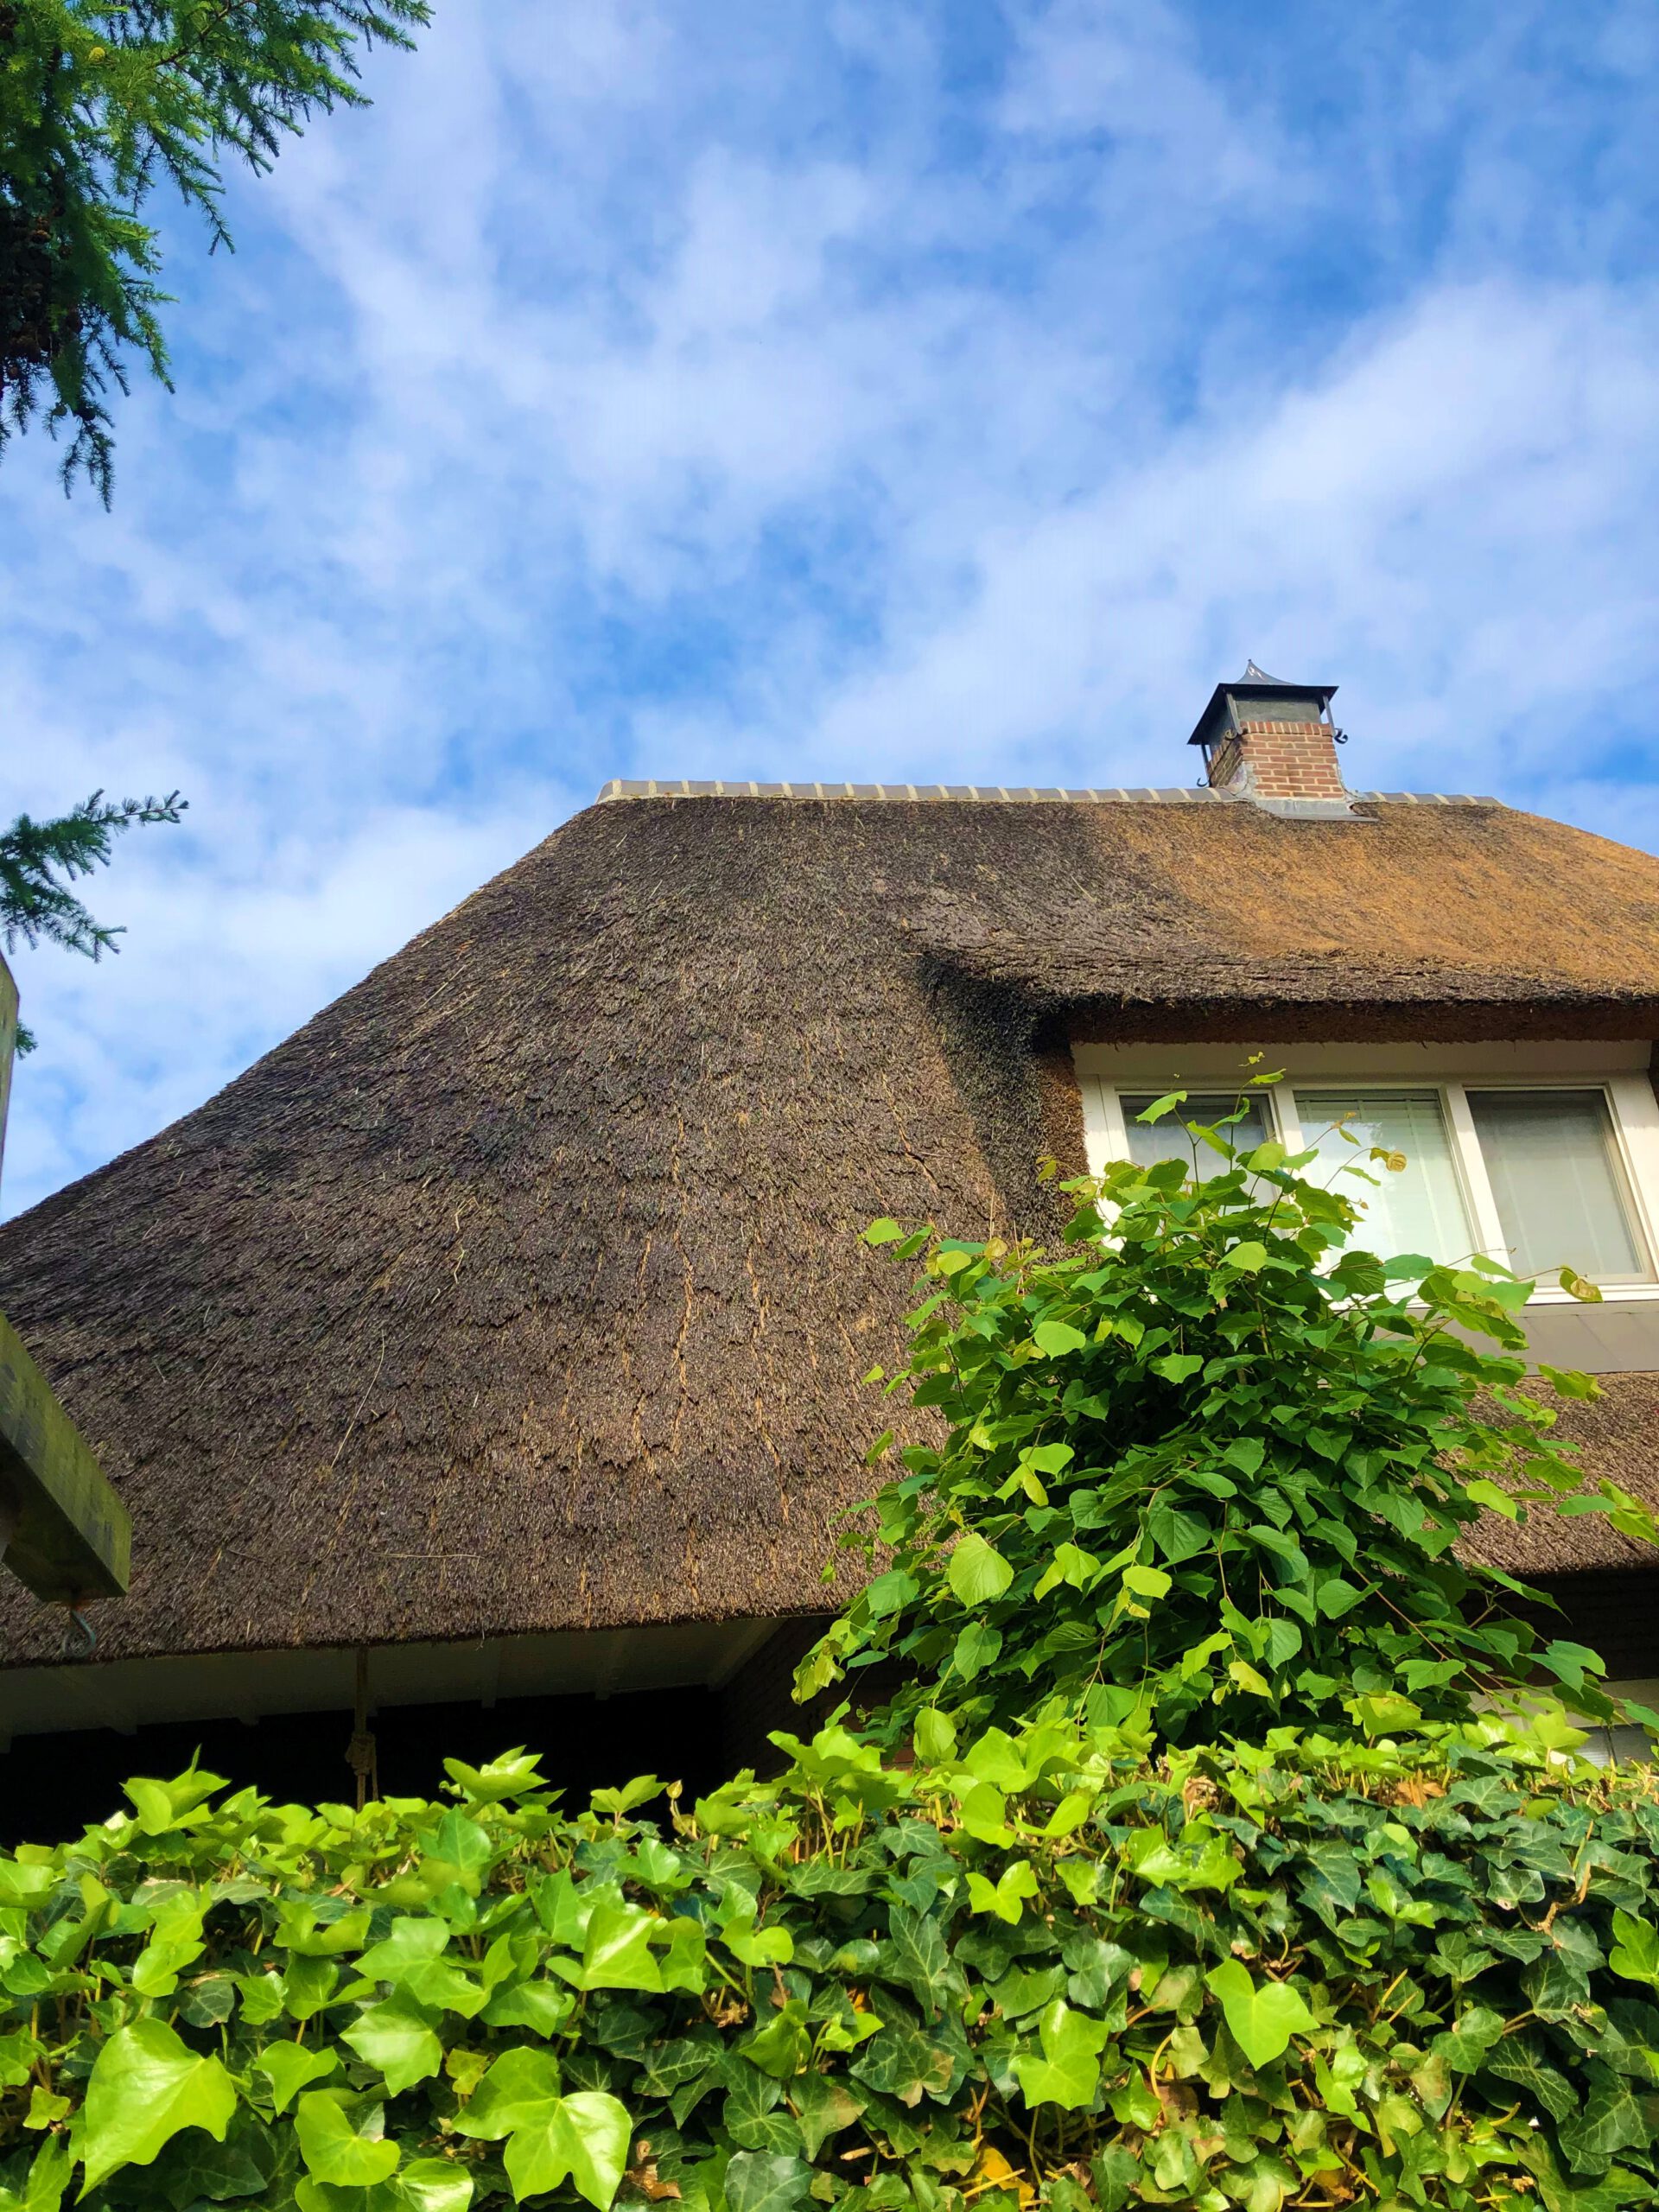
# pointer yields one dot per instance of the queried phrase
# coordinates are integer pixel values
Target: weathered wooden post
(63, 1531)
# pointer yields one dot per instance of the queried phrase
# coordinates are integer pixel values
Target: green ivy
(1208, 1464)
(1035, 1969)
(1222, 1844)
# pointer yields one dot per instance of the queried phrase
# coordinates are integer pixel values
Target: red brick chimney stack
(1267, 739)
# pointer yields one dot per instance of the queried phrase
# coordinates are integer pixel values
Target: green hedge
(1040, 1969)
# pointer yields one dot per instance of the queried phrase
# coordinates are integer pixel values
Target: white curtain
(1419, 1208)
(1557, 1182)
(1171, 1138)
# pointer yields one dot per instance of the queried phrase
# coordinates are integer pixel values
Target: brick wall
(1279, 761)
(757, 1699)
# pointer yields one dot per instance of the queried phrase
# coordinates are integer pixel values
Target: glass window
(1418, 1209)
(1172, 1138)
(1557, 1182)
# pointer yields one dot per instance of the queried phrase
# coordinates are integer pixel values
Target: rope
(361, 1754)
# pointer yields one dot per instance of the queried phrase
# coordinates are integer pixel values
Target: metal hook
(88, 1645)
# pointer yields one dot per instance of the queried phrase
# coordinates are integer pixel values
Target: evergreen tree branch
(40, 862)
(98, 102)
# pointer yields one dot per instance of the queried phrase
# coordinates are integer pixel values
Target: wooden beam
(69, 1537)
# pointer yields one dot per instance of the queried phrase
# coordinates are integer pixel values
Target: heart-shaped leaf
(978, 1571)
(1068, 2073)
(342, 2138)
(289, 2068)
(1262, 2018)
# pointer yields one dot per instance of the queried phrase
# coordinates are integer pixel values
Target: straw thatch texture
(521, 1289)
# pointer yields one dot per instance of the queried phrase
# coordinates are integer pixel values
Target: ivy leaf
(515, 1774)
(409, 1941)
(1519, 2059)
(542, 2006)
(1472, 2035)
(1004, 1897)
(45, 2108)
(1635, 1954)
(1610, 2118)
(520, 2088)
(617, 1954)
(905, 2062)
(824, 2106)
(584, 2137)
(302, 1928)
(342, 2138)
(757, 2181)
(1068, 2073)
(289, 2068)
(246, 2163)
(146, 2086)
(917, 1957)
(779, 2048)
(1262, 2020)
(309, 1985)
(398, 2037)
(49, 2178)
(978, 1572)
(754, 2116)
(433, 2186)
(629, 1797)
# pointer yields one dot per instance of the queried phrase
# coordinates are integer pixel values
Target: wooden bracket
(63, 1531)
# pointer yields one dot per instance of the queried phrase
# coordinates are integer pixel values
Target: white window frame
(1618, 1070)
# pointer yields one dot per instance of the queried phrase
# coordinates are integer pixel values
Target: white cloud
(645, 388)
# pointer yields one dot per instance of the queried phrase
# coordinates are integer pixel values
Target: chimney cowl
(1271, 740)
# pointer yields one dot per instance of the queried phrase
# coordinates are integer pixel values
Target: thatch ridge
(521, 1289)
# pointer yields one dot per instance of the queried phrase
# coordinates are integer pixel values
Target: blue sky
(924, 392)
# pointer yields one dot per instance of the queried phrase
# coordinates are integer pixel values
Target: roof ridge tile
(620, 788)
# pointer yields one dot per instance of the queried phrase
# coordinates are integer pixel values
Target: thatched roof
(520, 1290)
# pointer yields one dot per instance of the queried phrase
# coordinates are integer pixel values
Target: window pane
(1170, 1139)
(1556, 1179)
(1419, 1209)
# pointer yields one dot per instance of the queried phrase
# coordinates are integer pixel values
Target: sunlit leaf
(147, 2085)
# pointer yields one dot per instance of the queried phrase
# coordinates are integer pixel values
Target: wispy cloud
(926, 390)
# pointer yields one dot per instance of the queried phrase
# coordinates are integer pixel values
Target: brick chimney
(1272, 741)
